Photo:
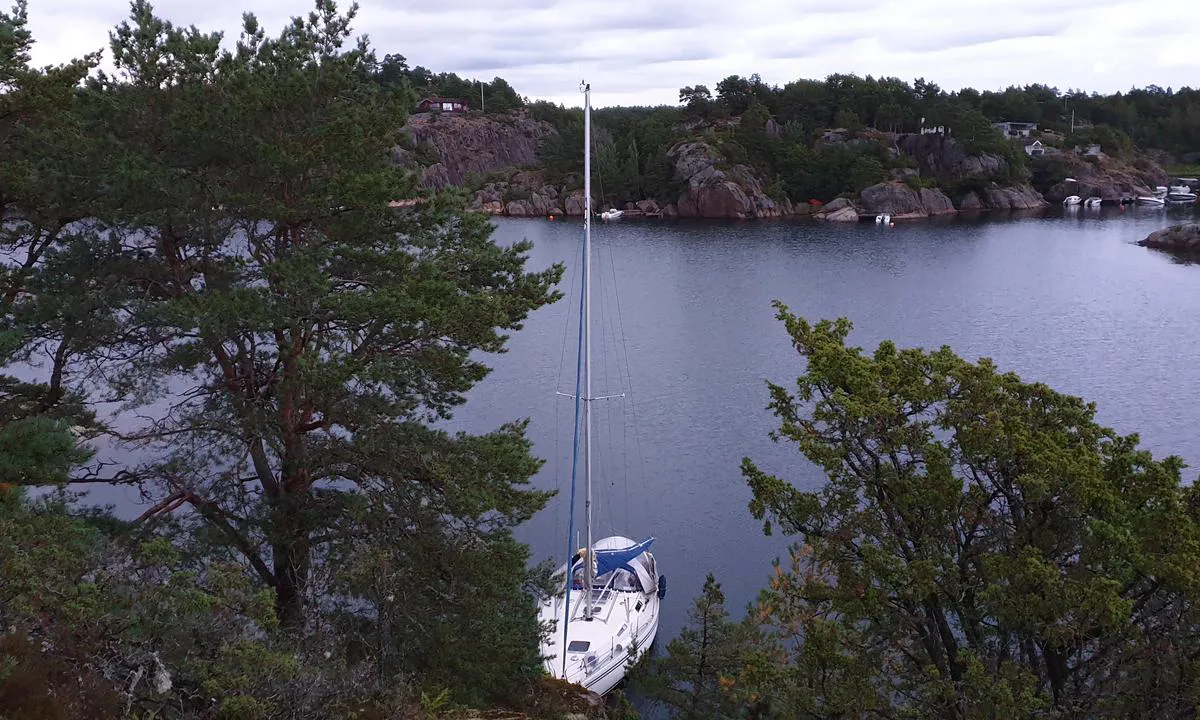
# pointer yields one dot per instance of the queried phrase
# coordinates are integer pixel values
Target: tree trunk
(290, 548)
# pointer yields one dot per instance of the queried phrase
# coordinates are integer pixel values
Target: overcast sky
(642, 51)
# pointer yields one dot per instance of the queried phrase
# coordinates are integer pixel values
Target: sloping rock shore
(1183, 240)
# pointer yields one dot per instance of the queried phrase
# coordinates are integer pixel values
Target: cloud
(643, 51)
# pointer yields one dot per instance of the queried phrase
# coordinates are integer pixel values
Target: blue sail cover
(609, 560)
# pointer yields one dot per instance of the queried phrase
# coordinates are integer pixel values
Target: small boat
(611, 214)
(1153, 200)
(1092, 202)
(883, 219)
(1072, 200)
(606, 608)
(1180, 194)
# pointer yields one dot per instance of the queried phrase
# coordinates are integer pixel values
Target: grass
(1183, 170)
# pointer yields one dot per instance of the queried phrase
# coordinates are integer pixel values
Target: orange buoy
(551, 217)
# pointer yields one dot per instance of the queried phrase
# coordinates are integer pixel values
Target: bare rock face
(470, 144)
(936, 202)
(713, 192)
(1178, 239)
(436, 177)
(971, 202)
(903, 202)
(996, 197)
(1107, 178)
(943, 158)
(1020, 197)
(838, 210)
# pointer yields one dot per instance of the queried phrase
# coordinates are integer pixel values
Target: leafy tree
(100, 622)
(500, 97)
(319, 328)
(702, 661)
(454, 601)
(697, 101)
(982, 548)
(309, 333)
(40, 197)
(393, 70)
(736, 93)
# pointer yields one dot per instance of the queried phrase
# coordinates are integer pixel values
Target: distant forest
(777, 129)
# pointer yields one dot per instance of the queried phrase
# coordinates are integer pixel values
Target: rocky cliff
(1108, 178)
(469, 144)
(904, 202)
(945, 160)
(452, 150)
(712, 192)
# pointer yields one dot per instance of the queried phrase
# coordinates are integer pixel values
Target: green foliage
(393, 72)
(453, 601)
(92, 620)
(982, 546)
(830, 171)
(294, 262)
(697, 101)
(315, 333)
(1047, 171)
(702, 661)
(917, 182)
(558, 116)
(792, 160)
(1183, 170)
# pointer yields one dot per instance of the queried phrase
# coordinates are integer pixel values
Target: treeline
(781, 131)
(496, 96)
(1152, 117)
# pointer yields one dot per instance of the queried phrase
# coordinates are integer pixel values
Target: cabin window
(578, 646)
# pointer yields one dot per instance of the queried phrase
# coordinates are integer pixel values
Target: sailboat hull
(600, 651)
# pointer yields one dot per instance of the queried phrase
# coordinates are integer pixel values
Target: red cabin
(431, 104)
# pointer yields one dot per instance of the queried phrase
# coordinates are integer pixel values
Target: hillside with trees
(823, 139)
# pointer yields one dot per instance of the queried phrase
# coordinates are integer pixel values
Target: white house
(1015, 129)
(1035, 148)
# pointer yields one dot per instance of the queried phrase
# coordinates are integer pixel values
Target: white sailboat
(605, 615)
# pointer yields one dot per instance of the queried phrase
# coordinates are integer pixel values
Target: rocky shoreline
(496, 159)
(1182, 240)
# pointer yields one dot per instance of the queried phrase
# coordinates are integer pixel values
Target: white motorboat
(1072, 200)
(611, 214)
(1152, 200)
(1092, 202)
(1180, 194)
(605, 614)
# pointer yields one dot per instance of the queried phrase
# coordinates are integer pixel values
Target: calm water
(1065, 300)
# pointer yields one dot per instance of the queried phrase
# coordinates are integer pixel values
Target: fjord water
(1065, 299)
(1068, 300)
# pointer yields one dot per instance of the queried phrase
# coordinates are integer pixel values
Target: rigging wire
(631, 398)
(562, 360)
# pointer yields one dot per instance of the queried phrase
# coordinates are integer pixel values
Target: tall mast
(587, 344)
